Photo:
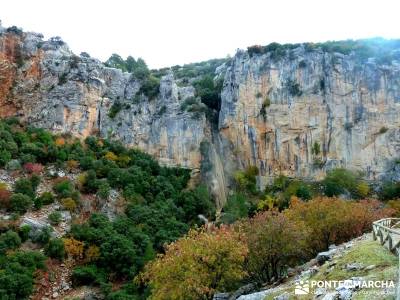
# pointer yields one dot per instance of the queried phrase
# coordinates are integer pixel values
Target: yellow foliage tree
(72, 165)
(198, 265)
(69, 204)
(3, 186)
(123, 160)
(333, 220)
(73, 248)
(81, 180)
(269, 203)
(363, 189)
(111, 156)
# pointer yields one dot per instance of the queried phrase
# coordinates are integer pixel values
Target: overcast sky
(170, 32)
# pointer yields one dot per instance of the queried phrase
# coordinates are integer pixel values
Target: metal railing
(388, 232)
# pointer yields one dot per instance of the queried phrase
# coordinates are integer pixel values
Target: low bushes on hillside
(267, 245)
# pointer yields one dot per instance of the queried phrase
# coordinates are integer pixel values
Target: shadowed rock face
(273, 112)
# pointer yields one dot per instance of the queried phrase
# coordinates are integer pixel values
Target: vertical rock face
(300, 114)
(44, 83)
(310, 111)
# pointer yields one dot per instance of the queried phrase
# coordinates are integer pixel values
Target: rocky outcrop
(310, 111)
(300, 114)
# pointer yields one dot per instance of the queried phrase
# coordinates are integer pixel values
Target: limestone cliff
(310, 111)
(300, 114)
(45, 84)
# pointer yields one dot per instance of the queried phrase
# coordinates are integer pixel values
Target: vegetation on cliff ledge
(383, 50)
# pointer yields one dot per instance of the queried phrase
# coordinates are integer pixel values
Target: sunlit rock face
(45, 84)
(274, 111)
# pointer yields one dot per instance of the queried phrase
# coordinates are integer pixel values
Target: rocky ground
(55, 281)
(360, 260)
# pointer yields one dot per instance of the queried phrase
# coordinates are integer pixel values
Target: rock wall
(276, 111)
(299, 115)
(52, 88)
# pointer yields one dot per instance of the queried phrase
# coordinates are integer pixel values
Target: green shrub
(43, 235)
(24, 186)
(9, 240)
(150, 87)
(104, 190)
(339, 181)
(55, 249)
(45, 198)
(316, 149)
(294, 88)
(266, 103)
(383, 130)
(35, 181)
(55, 218)
(188, 102)
(65, 189)
(299, 189)
(17, 274)
(13, 165)
(86, 275)
(209, 91)
(246, 180)
(116, 61)
(20, 203)
(69, 204)
(237, 207)
(390, 191)
(23, 232)
(5, 157)
(115, 109)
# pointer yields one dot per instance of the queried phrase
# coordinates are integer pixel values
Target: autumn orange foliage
(198, 265)
(274, 241)
(263, 247)
(60, 142)
(5, 198)
(334, 221)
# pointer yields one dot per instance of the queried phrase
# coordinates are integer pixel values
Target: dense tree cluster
(159, 206)
(17, 267)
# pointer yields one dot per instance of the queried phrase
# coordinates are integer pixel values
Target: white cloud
(170, 32)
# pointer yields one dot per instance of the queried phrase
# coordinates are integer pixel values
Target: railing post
(381, 227)
(398, 279)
